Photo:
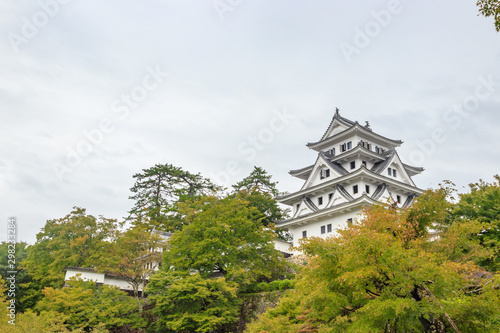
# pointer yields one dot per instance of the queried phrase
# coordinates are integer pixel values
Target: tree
(188, 302)
(259, 191)
(383, 275)
(489, 8)
(74, 240)
(222, 251)
(134, 256)
(259, 180)
(225, 236)
(158, 188)
(482, 205)
(83, 306)
(22, 276)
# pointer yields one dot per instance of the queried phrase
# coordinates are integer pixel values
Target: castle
(355, 168)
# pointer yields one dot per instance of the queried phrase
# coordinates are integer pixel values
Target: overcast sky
(92, 92)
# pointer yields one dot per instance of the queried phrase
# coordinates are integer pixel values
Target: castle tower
(355, 168)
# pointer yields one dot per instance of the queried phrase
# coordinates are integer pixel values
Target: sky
(92, 92)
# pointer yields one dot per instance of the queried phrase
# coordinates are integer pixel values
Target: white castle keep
(355, 168)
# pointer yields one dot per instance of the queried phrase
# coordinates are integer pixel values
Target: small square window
(320, 200)
(342, 147)
(367, 189)
(330, 196)
(355, 189)
(389, 171)
(329, 228)
(349, 145)
(304, 234)
(363, 163)
(349, 221)
(332, 151)
(323, 229)
(398, 198)
(394, 172)
(353, 165)
(298, 205)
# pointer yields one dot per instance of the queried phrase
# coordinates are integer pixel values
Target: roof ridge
(310, 204)
(344, 193)
(378, 192)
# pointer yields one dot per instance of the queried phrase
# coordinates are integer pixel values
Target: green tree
(259, 191)
(490, 8)
(74, 240)
(482, 207)
(83, 306)
(226, 236)
(19, 252)
(381, 275)
(188, 302)
(134, 256)
(258, 179)
(159, 188)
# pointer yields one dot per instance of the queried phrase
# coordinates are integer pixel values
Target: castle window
(330, 196)
(394, 172)
(320, 200)
(363, 163)
(324, 173)
(367, 189)
(349, 221)
(355, 189)
(349, 145)
(329, 228)
(389, 171)
(323, 229)
(298, 205)
(398, 198)
(304, 234)
(379, 150)
(342, 147)
(332, 151)
(366, 144)
(353, 165)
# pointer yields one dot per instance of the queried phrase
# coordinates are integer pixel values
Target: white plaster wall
(314, 228)
(122, 284)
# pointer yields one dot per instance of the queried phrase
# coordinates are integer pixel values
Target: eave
(361, 173)
(357, 128)
(412, 170)
(357, 151)
(364, 200)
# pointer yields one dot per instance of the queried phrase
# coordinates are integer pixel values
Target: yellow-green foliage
(82, 306)
(386, 274)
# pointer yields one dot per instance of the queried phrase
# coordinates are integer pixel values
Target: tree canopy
(225, 236)
(188, 302)
(74, 240)
(389, 274)
(223, 250)
(133, 256)
(490, 8)
(83, 306)
(159, 188)
(258, 189)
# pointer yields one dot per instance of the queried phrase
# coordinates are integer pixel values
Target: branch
(446, 315)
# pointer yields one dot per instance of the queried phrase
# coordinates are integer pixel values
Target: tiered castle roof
(355, 167)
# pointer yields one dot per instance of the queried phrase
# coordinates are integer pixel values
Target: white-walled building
(90, 274)
(355, 167)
